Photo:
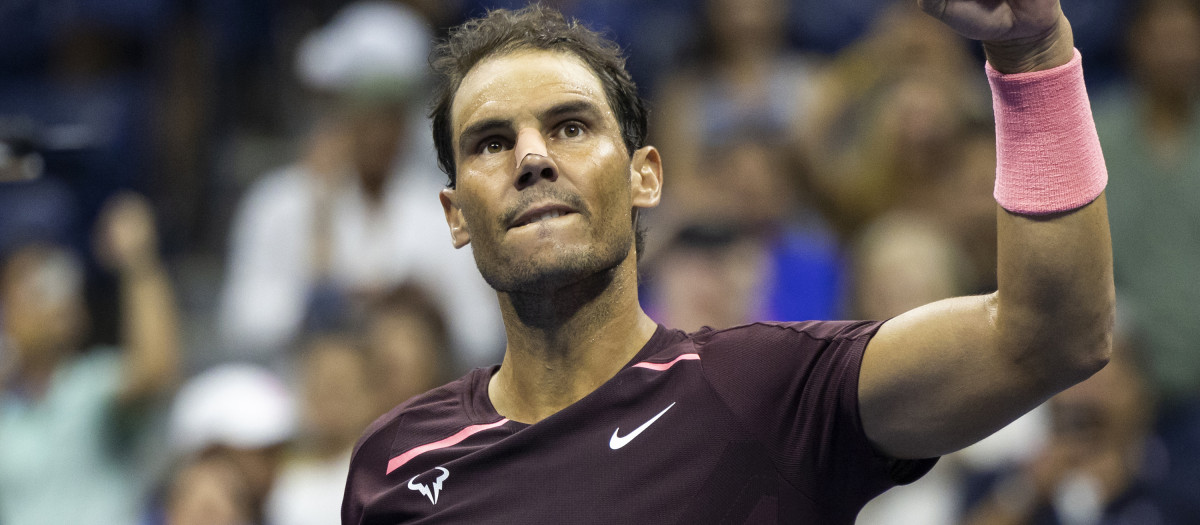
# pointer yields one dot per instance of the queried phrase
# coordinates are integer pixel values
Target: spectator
(334, 381)
(360, 213)
(828, 27)
(404, 352)
(771, 254)
(241, 413)
(208, 489)
(78, 428)
(887, 115)
(709, 275)
(902, 261)
(1150, 130)
(1099, 465)
(744, 85)
(408, 345)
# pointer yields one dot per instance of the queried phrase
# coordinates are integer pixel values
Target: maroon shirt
(754, 424)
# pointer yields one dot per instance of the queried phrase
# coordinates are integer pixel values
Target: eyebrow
(483, 127)
(480, 128)
(573, 107)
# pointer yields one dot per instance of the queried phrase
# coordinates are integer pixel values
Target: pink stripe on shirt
(457, 438)
(663, 366)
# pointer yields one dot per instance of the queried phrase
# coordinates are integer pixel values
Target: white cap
(369, 41)
(236, 405)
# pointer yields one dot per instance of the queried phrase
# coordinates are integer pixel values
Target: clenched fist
(1018, 35)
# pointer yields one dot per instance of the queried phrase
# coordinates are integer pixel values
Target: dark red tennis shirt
(754, 424)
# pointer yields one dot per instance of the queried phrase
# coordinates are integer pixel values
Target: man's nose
(533, 160)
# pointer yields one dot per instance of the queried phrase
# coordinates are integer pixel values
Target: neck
(565, 343)
(33, 375)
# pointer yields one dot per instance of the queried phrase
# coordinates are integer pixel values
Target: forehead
(49, 272)
(510, 84)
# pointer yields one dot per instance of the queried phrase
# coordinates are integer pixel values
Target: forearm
(1055, 303)
(150, 331)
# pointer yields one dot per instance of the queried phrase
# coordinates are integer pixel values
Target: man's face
(545, 187)
(41, 304)
(377, 132)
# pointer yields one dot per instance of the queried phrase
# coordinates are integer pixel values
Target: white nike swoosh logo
(620, 441)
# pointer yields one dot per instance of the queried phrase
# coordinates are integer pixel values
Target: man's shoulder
(766, 332)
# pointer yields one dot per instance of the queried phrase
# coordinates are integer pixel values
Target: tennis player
(597, 414)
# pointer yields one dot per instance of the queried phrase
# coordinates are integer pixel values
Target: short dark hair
(532, 27)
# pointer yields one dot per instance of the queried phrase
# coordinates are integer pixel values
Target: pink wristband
(1048, 156)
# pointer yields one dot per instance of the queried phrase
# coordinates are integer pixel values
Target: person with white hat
(355, 216)
(230, 421)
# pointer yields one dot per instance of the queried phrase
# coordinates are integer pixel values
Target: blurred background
(221, 254)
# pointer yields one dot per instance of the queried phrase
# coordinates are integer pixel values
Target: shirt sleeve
(795, 386)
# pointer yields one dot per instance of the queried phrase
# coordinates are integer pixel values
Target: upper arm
(933, 381)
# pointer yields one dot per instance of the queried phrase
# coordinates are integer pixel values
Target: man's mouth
(541, 213)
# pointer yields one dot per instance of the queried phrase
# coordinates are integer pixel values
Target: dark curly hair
(533, 27)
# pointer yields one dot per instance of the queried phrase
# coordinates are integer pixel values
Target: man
(78, 438)
(599, 415)
(354, 217)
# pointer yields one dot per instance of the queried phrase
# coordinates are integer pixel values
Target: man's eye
(493, 146)
(572, 130)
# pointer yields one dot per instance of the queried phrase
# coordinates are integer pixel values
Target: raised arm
(127, 244)
(947, 374)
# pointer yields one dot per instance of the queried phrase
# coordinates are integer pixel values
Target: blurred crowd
(222, 256)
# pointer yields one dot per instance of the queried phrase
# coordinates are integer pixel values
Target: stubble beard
(559, 269)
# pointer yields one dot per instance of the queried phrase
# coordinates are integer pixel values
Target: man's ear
(646, 177)
(459, 235)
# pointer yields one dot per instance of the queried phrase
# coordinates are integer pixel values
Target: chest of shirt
(661, 448)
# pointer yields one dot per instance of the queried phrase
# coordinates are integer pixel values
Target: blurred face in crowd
(902, 262)
(921, 117)
(41, 303)
(334, 384)
(1166, 49)
(208, 491)
(377, 131)
(904, 39)
(747, 23)
(404, 356)
(757, 172)
(720, 285)
(545, 186)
